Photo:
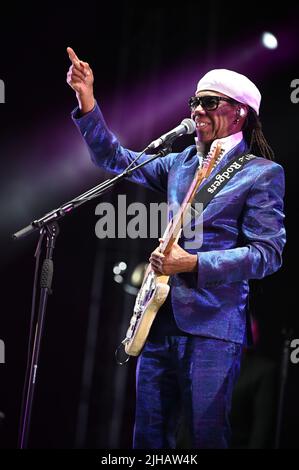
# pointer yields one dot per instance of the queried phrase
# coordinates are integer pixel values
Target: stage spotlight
(119, 279)
(269, 40)
(118, 271)
(120, 267)
(138, 274)
(136, 277)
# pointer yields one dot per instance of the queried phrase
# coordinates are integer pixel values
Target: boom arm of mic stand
(92, 193)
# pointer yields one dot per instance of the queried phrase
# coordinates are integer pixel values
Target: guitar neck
(175, 225)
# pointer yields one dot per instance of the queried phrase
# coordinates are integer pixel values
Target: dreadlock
(254, 136)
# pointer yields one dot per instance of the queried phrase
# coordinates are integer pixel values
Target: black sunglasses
(208, 102)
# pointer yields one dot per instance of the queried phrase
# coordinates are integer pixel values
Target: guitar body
(150, 298)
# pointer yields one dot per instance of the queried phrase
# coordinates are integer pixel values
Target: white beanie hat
(232, 84)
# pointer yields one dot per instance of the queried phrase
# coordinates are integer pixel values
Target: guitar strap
(205, 194)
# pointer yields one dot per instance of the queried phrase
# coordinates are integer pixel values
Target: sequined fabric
(185, 376)
(243, 231)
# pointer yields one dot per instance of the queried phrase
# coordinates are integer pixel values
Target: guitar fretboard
(173, 228)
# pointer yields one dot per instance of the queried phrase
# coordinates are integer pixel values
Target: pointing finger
(72, 55)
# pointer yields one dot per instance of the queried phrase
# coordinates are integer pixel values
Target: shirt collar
(227, 144)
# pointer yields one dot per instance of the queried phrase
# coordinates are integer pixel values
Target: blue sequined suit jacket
(243, 231)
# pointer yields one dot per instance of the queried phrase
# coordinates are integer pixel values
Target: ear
(242, 111)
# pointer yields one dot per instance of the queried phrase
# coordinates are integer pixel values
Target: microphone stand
(47, 225)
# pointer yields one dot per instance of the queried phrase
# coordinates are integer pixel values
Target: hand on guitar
(177, 260)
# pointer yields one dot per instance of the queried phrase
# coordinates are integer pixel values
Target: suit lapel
(238, 149)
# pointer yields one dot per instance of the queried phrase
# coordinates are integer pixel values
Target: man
(191, 359)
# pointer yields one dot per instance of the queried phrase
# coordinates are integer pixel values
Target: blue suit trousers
(189, 375)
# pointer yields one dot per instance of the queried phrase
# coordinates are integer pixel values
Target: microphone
(187, 126)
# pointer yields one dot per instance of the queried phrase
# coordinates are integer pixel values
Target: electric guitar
(155, 288)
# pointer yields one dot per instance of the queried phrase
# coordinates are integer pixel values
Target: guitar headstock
(212, 158)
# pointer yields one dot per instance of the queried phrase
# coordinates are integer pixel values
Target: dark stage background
(146, 61)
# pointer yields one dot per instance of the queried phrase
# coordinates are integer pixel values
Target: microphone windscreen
(189, 124)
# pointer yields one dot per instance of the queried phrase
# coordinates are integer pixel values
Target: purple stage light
(53, 164)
